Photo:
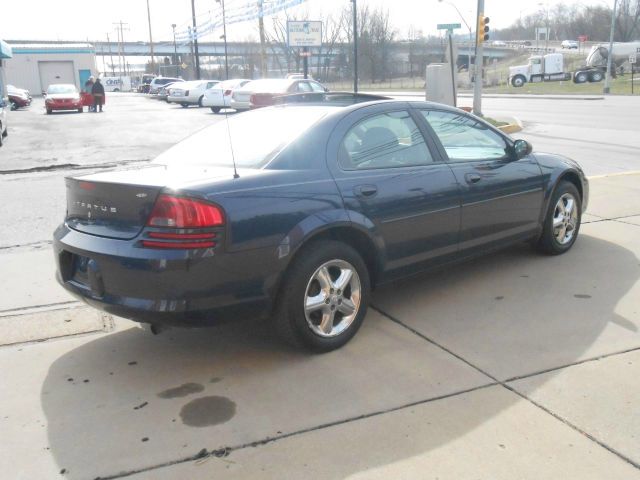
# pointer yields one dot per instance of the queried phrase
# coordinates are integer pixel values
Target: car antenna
(233, 157)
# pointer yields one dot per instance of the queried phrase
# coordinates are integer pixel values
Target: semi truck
(550, 67)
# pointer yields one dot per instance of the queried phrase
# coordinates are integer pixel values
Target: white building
(5, 54)
(35, 66)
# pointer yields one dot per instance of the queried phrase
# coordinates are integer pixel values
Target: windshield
(257, 137)
(53, 89)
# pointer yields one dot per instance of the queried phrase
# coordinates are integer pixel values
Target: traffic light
(483, 28)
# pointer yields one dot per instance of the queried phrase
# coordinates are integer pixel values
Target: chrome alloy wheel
(565, 219)
(332, 298)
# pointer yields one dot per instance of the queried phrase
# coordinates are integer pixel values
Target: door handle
(365, 190)
(472, 178)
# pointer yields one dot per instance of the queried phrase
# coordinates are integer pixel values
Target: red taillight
(227, 92)
(179, 212)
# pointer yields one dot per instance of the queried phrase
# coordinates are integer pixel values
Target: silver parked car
(190, 93)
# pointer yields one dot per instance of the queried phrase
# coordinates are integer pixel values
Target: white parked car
(219, 96)
(190, 93)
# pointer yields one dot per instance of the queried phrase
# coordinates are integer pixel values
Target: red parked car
(62, 96)
(262, 93)
(18, 97)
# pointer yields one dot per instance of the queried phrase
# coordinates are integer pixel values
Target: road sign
(583, 38)
(304, 34)
(448, 26)
(305, 54)
(632, 59)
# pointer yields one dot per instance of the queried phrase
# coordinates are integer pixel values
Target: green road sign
(448, 26)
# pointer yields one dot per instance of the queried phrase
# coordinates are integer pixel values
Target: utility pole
(194, 37)
(175, 48)
(153, 61)
(479, 64)
(121, 54)
(224, 35)
(263, 55)
(113, 73)
(355, 46)
(607, 79)
(191, 43)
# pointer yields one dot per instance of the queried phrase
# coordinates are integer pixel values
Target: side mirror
(522, 148)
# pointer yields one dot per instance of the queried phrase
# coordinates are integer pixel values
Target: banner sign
(304, 34)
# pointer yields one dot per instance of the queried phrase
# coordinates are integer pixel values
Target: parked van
(116, 84)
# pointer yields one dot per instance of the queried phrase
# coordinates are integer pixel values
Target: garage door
(55, 72)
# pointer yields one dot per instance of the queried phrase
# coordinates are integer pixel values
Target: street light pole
(607, 79)
(477, 85)
(224, 35)
(470, 34)
(194, 33)
(153, 62)
(355, 46)
(175, 48)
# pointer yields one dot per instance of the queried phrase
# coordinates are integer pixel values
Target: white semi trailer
(550, 67)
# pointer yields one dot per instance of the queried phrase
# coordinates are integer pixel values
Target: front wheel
(324, 298)
(518, 81)
(200, 101)
(215, 109)
(581, 77)
(562, 223)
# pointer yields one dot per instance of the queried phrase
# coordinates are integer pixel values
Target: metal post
(607, 79)
(194, 34)
(452, 66)
(175, 48)
(479, 63)
(263, 55)
(153, 61)
(355, 46)
(305, 62)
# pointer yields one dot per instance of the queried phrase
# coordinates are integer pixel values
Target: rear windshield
(257, 137)
(61, 89)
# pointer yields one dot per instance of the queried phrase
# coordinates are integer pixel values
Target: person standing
(98, 95)
(88, 87)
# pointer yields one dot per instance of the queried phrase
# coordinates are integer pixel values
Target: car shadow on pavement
(128, 401)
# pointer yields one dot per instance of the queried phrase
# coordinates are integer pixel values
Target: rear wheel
(79, 110)
(581, 77)
(49, 111)
(596, 76)
(200, 101)
(184, 104)
(215, 109)
(324, 298)
(562, 223)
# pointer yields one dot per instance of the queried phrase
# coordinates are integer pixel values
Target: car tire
(314, 273)
(2, 136)
(200, 101)
(49, 111)
(596, 76)
(215, 109)
(80, 110)
(184, 104)
(557, 237)
(518, 81)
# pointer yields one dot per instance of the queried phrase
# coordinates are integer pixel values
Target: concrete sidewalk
(511, 366)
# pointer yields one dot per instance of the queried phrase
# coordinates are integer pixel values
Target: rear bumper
(179, 288)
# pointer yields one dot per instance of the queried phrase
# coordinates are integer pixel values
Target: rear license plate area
(79, 269)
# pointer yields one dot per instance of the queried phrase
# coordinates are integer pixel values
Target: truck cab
(539, 68)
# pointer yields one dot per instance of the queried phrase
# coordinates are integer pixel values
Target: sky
(77, 20)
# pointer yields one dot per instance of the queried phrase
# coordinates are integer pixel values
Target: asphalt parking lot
(515, 365)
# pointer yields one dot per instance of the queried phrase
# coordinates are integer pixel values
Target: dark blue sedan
(325, 202)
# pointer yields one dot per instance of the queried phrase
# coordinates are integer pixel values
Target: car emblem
(141, 195)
